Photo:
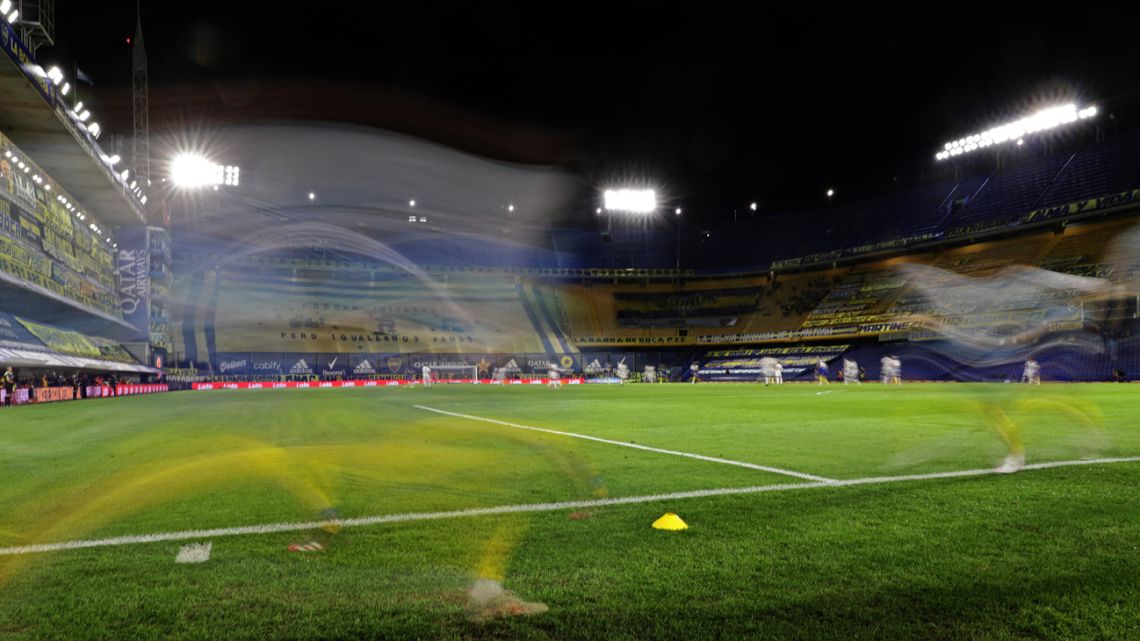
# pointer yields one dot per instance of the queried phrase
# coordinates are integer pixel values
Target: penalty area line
(699, 457)
(272, 528)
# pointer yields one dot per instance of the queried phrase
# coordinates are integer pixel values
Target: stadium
(319, 359)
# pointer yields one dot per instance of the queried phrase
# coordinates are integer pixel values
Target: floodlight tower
(140, 144)
(34, 20)
(1014, 133)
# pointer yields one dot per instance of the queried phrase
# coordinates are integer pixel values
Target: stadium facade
(75, 276)
(351, 252)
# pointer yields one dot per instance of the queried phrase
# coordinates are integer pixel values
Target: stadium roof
(56, 145)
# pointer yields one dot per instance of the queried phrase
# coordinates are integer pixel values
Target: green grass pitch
(1041, 554)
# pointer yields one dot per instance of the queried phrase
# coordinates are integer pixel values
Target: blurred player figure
(554, 376)
(779, 369)
(427, 376)
(768, 369)
(1032, 373)
(498, 375)
(821, 373)
(850, 372)
(694, 369)
(890, 367)
(622, 372)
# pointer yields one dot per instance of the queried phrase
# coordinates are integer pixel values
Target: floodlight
(639, 201)
(677, 211)
(65, 89)
(1042, 120)
(411, 203)
(752, 206)
(55, 75)
(12, 16)
(312, 196)
(830, 193)
(5, 5)
(191, 170)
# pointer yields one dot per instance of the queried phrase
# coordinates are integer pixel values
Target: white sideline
(511, 509)
(699, 457)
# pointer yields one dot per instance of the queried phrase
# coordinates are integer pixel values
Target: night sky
(720, 105)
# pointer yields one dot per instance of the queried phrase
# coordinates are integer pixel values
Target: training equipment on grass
(194, 553)
(671, 522)
(311, 546)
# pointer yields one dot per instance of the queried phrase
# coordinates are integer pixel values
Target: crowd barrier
(42, 395)
(104, 391)
(395, 383)
(132, 390)
(18, 398)
(54, 394)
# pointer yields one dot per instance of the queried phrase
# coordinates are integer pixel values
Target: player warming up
(821, 373)
(851, 372)
(1032, 373)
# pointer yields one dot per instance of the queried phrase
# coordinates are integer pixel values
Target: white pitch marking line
(699, 457)
(272, 528)
(194, 553)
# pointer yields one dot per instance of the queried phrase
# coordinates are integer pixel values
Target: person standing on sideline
(9, 386)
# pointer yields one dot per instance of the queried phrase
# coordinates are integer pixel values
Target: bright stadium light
(12, 16)
(83, 116)
(1043, 120)
(510, 207)
(677, 211)
(5, 5)
(411, 203)
(830, 193)
(638, 201)
(94, 129)
(113, 160)
(65, 89)
(752, 206)
(192, 170)
(312, 196)
(55, 74)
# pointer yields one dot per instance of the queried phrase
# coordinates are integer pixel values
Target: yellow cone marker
(670, 522)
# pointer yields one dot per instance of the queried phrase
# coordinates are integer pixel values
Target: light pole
(677, 218)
